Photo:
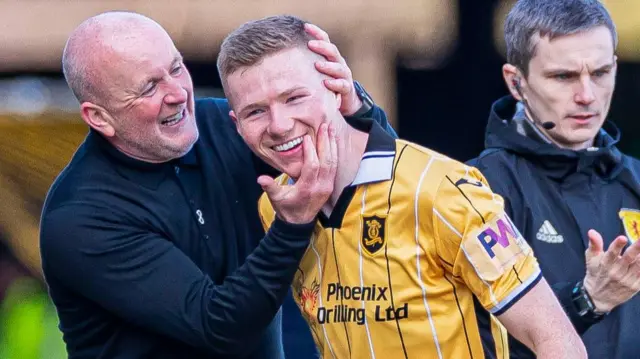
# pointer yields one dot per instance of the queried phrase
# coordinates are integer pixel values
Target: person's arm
(493, 259)
(144, 279)
(538, 321)
(514, 209)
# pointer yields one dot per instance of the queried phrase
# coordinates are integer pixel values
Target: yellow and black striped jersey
(415, 256)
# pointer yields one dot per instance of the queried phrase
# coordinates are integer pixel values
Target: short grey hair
(550, 18)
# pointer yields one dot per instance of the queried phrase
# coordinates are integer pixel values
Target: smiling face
(146, 103)
(570, 82)
(277, 102)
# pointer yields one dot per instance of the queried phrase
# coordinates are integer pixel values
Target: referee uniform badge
(373, 233)
(631, 222)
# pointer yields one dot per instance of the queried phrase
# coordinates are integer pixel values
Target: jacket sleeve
(144, 279)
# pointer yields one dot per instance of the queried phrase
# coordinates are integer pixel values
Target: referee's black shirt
(150, 260)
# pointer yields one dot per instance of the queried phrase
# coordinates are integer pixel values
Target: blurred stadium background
(434, 65)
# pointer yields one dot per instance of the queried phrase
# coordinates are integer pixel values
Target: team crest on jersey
(631, 222)
(309, 298)
(373, 233)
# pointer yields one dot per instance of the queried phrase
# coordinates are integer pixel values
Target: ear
(97, 118)
(512, 79)
(234, 118)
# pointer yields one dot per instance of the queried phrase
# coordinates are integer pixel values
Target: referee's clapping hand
(613, 277)
(300, 203)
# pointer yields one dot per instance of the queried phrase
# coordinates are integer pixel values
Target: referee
(553, 157)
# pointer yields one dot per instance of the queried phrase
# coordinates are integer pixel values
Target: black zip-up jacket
(169, 260)
(554, 196)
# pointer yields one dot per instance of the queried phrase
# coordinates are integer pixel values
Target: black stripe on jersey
(464, 322)
(517, 274)
(393, 178)
(484, 327)
(337, 215)
(520, 295)
(335, 257)
(444, 261)
(393, 306)
(467, 198)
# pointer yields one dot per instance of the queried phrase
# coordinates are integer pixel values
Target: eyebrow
(255, 105)
(556, 71)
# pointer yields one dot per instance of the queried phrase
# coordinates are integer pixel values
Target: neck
(351, 146)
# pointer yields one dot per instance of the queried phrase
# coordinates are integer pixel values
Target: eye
(294, 98)
(150, 89)
(254, 113)
(600, 73)
(177, 70)
(562, 76)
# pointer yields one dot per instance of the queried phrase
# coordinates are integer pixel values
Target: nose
(176, 93)
(585, 94)
(280, 123)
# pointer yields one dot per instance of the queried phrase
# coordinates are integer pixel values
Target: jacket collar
(509, 130)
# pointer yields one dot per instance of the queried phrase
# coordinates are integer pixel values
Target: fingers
(334, 69)
(613, 252)
(327, 50)
(268, 184)
(310, 162)
(595, 244)
(632, 251)
(340, 86)
(316, 32)
(328, 157)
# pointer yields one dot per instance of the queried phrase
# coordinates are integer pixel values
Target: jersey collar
(377, 161)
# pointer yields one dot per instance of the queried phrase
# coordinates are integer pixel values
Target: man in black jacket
(151, 242)
(553, 157)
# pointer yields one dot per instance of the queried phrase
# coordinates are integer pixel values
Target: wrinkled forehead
(582, 51)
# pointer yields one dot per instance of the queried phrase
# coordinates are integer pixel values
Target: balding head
(89, 52)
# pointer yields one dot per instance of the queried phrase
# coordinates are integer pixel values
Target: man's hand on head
(335, 67)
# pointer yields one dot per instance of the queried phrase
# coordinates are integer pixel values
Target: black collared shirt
(150, 260)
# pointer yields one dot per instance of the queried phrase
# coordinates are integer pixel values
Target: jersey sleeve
(479, 243)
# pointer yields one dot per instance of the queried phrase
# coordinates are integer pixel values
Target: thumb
(268, 185)
(595, 244)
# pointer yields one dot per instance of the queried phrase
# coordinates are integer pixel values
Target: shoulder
(503, 170)
(428, 170)
(495, 160)
(632, 163)
(84, 176)
(213, 107)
